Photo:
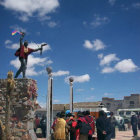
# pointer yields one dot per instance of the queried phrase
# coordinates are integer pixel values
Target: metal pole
(71, 94)
(49, 104)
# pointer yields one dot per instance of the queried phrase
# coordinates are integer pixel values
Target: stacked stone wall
(23, 105)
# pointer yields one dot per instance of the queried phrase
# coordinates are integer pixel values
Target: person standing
(36, 122)
(43, 126)
(90, 120)
(60, 128)
(101, 126)
(134, 123)
(139, 120)
(72, 124)
(113, 123)
(82, 127)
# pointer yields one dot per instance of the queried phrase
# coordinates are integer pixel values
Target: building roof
(60, 107)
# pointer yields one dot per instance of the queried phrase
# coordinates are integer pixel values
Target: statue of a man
(23, 53)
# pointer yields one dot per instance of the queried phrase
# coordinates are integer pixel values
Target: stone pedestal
(23, 106)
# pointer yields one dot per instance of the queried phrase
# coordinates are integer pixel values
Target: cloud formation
(32, 63)
(98, 21)
(107, 70)
(52, 24)
(27, 8)
(112, 2)
(60, 73)
(78, 79)
(94, 45)
(124, 66)
(136, 5)
(91, 98)
(56, 101)
(106, 60)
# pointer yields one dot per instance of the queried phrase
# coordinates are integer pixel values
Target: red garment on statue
(20, 52)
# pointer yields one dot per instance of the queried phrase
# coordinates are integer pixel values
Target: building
(132, 101)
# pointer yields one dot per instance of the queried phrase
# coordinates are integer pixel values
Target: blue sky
(95, 41)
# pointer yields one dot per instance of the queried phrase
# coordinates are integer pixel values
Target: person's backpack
(17, 53)
(85, 127)
(90, 121)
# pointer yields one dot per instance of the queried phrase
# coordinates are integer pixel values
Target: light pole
(49, 105)
(71, 94)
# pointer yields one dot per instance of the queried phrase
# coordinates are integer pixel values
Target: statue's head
(25, 43)
(10, 75)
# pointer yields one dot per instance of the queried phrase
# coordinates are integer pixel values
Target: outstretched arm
(21, 39)
(41, 48)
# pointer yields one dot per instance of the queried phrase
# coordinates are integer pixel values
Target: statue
(23, 53)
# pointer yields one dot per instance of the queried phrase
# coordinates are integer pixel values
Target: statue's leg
(21, 67)
(24, 68)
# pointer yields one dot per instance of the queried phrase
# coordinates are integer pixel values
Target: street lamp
(71, 93)
(49, 105)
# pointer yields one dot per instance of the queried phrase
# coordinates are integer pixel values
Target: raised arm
(21, 39)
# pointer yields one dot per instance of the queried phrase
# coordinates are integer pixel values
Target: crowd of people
(79, 127)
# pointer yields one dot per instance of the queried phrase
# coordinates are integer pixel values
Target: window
(128, 112)
(132, 103)
(108, 104)
(121, 113)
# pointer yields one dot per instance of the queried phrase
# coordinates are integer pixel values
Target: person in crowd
(101, 126)
(72, 124)
(139, 120)
(36, 122)
(134, 123)
(90, 120)
(82, 127)
(113, 122)
(55, 121)
(60, 128)
(43, 125)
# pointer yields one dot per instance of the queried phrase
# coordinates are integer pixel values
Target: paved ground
(121, 135)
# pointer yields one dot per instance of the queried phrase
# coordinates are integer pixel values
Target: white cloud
(78, 79)
(27, 8)
(8, 42)
(94, 45)
(92, 89)
(52, 24)
(42, 104)
(31, 65)
(136, 5)
(111, 2)
(56, 101)
(126, 65)
(107, 70)
(90, 98)
(14, 46)
(60, 73)
(98, 21)
(79, 90)
(18, 28)
(106, 60)
(107, 94)
(100, 56)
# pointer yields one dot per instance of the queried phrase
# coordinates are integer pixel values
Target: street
(120, 135)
